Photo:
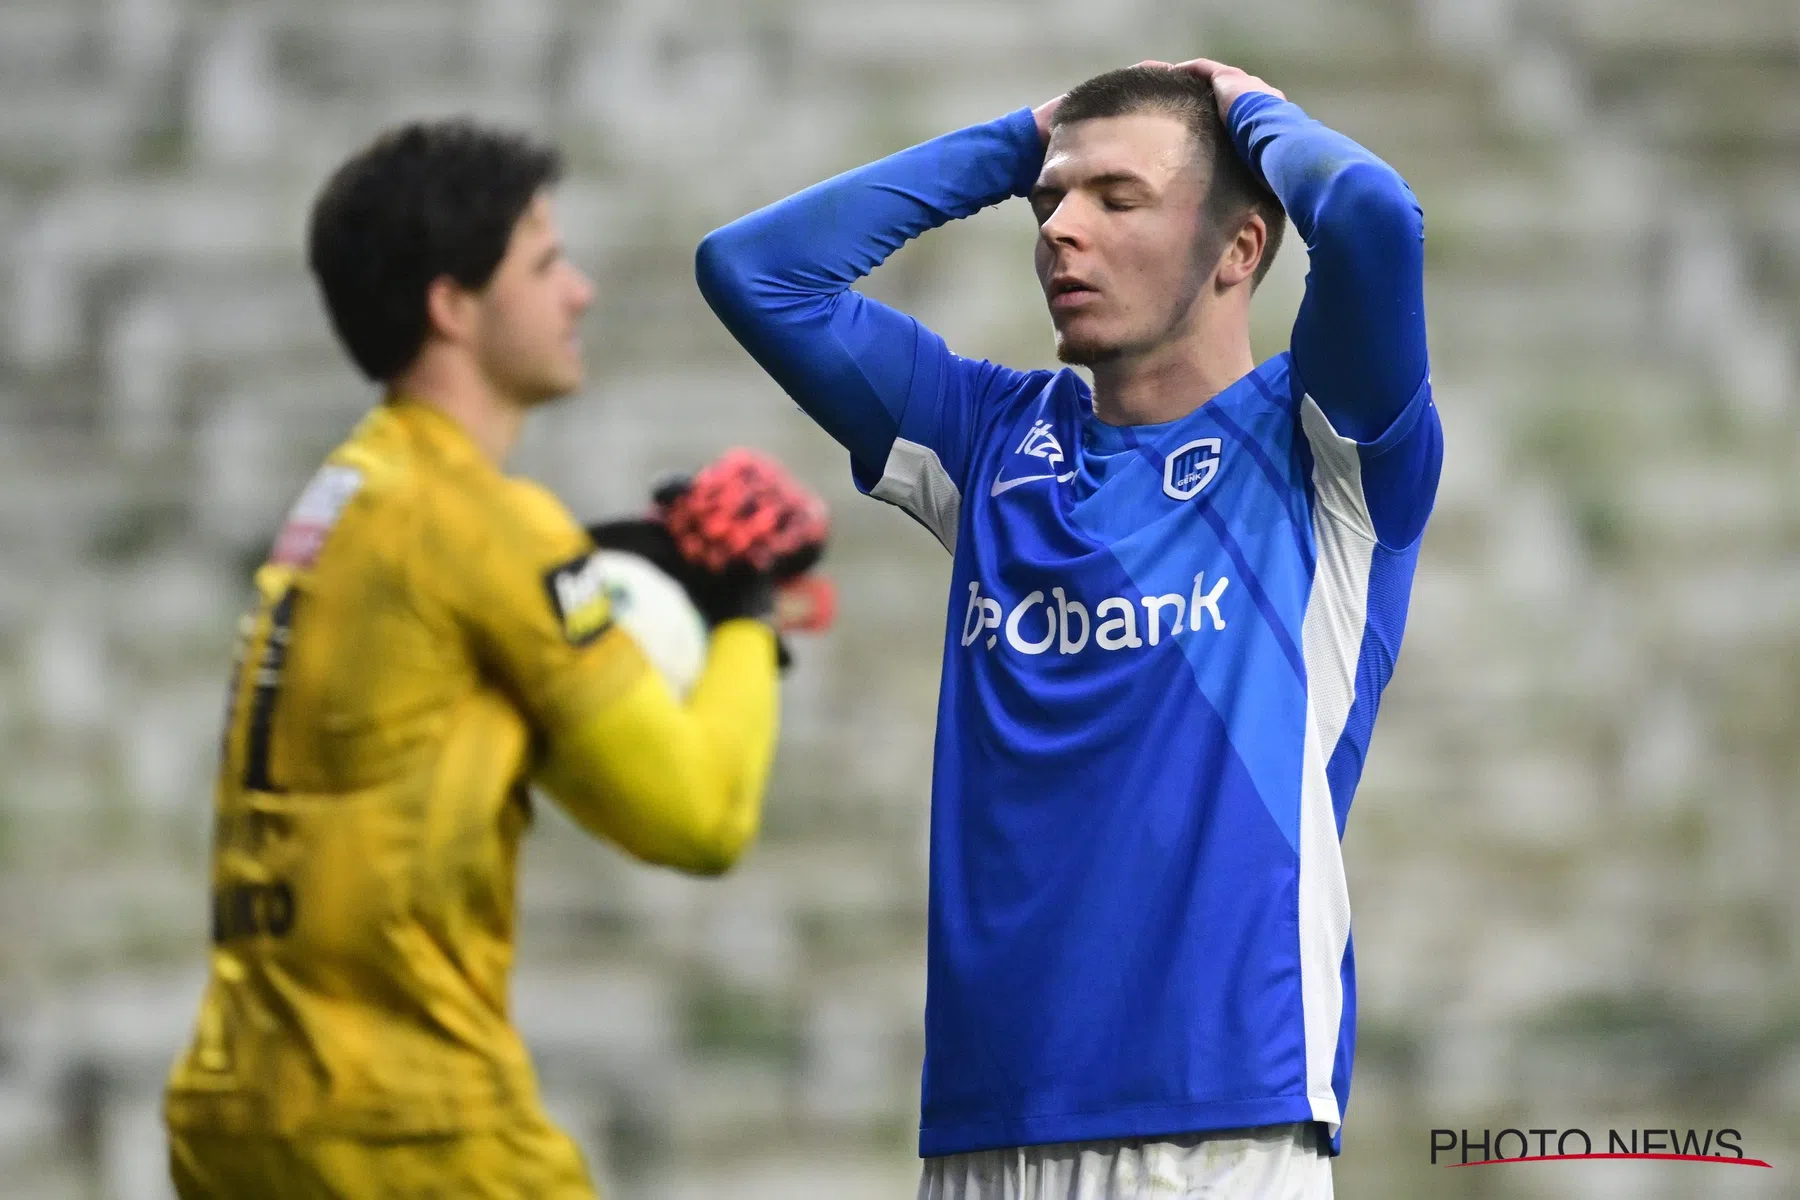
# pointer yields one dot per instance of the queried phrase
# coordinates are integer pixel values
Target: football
(655, 610)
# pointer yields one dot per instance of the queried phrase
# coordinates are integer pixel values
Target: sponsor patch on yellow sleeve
(578, 594)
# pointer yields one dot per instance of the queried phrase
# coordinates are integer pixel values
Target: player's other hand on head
(1228, 82)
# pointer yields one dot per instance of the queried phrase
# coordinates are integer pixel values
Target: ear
(449, 310)
(1243, 252)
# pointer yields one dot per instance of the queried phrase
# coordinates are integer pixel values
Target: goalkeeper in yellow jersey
(432, 636)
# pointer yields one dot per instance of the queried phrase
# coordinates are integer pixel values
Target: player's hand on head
(1045, 113)
(1228, 82)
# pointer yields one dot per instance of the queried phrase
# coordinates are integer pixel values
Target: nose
(1063, 227)
(583, 292)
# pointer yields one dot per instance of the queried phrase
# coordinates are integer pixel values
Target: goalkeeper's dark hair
(1234, 191)
(424, 200)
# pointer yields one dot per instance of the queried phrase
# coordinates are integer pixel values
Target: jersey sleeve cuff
(1020, 130)
(1241, 120)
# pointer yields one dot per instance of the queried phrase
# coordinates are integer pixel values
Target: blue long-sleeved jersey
(1164, 645)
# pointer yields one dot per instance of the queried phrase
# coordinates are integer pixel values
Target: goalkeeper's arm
(682, 785)
(679, 786)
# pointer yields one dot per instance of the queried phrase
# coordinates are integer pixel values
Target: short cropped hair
(424, 200)
(1234, 191)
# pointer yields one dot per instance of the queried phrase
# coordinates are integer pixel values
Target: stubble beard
(1094, 351)
(533, 384)
(1086, 353)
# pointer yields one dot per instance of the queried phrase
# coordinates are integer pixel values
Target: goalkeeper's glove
(742, 537)
(744, 509)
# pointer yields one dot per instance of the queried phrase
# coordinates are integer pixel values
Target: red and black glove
(745, 510)
(742, 536)
(756, 532)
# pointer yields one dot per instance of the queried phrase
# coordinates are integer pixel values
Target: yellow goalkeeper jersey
(429, 638)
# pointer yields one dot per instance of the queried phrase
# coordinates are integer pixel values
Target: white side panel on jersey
(1331, 642)
(915, 480)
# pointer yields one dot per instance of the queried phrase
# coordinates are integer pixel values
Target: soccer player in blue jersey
(1176, 598)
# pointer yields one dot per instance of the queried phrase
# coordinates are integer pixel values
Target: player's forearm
(780, 278)
(818, 242)
(1332, 188)
(737, 702)
(1359, 340)
(680, 786)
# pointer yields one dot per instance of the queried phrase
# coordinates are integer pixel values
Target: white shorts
(1277, 1162)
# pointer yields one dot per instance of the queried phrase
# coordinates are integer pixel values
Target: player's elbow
(714, 860)
(730, 827)
(723, 271)
(685, 825)
(1367, 203)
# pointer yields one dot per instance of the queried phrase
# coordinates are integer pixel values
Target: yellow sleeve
(680, 787)
(675, 784)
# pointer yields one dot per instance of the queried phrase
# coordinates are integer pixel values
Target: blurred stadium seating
(1572, 855)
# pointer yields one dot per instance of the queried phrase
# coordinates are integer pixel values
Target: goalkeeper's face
(1120, 208)
(528, 336)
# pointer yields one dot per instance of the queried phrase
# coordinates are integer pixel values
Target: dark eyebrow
(550, 255)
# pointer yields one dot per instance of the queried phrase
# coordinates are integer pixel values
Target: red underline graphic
(1701, 1158)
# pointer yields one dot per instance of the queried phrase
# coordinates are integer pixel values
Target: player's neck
(1167, 382)
(490, 419)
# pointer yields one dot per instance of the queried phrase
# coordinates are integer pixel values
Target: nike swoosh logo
(1006, 485)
